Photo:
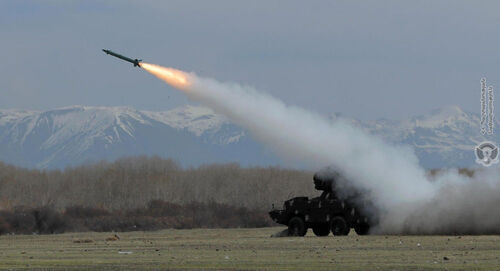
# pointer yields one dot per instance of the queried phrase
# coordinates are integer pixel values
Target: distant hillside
(444, 137)
(195, 135)
(78, 134)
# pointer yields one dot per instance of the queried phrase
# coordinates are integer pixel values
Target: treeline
(126, 194)
(133, 182)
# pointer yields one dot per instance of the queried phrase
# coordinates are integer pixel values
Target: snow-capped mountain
(444, 137)
(195, 135)
(77, 134)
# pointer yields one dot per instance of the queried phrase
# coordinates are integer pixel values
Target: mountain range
(195, 135)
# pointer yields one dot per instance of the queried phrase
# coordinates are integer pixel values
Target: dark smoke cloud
(461, 206)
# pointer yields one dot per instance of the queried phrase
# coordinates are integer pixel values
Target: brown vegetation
(157, 215)
(143, 193)
(134, 182)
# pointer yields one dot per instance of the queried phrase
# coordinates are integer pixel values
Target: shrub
(155, 216)
(48, 221)
(84, 212)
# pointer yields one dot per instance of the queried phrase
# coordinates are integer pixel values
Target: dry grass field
(245, 249)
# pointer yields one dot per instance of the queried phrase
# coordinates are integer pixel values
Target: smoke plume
(407, 198)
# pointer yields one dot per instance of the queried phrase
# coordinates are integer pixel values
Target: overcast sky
(365, 59)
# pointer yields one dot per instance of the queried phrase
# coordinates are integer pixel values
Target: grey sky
(367, 59)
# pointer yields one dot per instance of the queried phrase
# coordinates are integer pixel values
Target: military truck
(333, 211)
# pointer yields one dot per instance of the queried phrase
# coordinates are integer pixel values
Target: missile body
(133, 61)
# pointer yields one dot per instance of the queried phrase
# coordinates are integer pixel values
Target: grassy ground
(246, 249)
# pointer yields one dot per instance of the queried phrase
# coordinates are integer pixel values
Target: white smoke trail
(392, 173)
(398, 185)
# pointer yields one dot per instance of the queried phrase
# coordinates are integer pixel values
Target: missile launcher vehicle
(333, 211)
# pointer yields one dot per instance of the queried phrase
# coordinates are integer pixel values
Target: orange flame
(175, 78)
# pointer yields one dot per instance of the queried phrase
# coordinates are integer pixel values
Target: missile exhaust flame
(176, 78)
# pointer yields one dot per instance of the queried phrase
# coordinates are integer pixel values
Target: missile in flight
(136, 61)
